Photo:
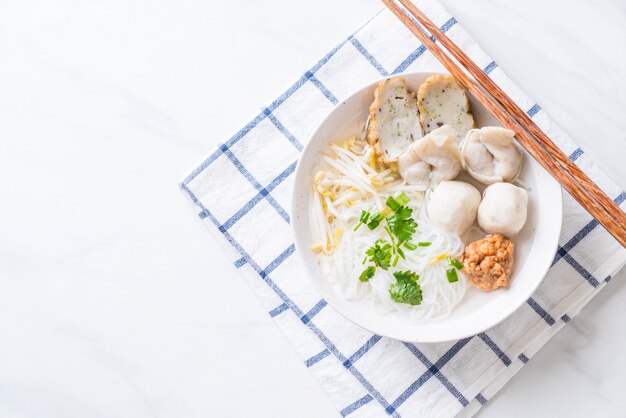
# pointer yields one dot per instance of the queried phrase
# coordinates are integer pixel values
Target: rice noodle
(348, 182)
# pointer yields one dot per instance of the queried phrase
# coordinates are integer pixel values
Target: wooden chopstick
(538, 145)
(518, 114)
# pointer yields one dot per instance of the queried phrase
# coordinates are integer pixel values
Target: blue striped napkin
(242, 192)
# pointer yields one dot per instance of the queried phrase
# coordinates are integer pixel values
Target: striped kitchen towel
(241, 192)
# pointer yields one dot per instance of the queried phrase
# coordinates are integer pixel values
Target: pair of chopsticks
(571, 178)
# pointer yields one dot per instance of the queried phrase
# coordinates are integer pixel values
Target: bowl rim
(299, 248)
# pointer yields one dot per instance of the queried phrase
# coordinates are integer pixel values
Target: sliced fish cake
(394, 119)
(442, 101)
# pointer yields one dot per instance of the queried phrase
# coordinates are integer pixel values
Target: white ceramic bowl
(478, 311)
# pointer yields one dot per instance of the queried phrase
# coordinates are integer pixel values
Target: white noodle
(347, 185)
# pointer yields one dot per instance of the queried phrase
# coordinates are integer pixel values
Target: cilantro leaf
(403, 292)
(406, 276)
(367, 274)
(380, 256)
(406, 289)
(402, 225)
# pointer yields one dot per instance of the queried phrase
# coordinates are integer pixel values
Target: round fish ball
(452, 206)
(503, 209)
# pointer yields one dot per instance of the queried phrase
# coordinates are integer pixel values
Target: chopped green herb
(367, 274)
(400, 227)
(455, 263)
(391, 237)
(374, 221)
(406, 276)
(410, 246)
(401, 224)
(424, 244)
(393, 204)
(452, 276)
(406, 289)
(380, 256)
(402, 198)
(363, 219)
